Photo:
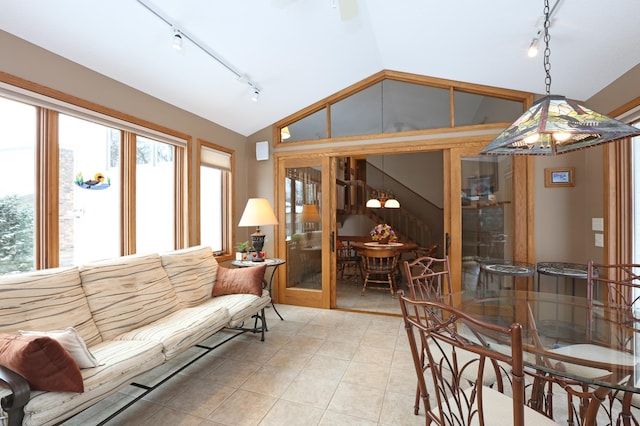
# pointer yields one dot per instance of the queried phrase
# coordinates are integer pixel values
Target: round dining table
(571, 341)
(391, 245)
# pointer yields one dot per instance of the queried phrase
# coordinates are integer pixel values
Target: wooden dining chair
(449, 398)
(380, 267)
(349, 259)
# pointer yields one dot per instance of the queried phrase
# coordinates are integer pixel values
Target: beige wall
(261, 181)
(32, 63)
(563, 215)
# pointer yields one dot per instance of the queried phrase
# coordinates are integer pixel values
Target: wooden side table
(271, 263)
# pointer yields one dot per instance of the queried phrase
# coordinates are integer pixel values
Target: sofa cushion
(240, 306)
(182, 329)
(42, 361)
(123, 362)
(192, 272)
(239, 281)
(46, 300)
(72, 342)
(127, 292)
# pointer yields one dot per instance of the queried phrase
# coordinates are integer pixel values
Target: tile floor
(317, 367)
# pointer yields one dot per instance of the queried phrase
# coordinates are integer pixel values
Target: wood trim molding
(452, 85)
(618, 202)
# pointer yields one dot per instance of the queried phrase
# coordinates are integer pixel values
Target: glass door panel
(487, 214)
(307, 249)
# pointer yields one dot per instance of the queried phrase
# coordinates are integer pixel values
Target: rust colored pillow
(42, 361)
(239, 281)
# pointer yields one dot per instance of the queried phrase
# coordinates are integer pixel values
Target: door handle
(447, 242)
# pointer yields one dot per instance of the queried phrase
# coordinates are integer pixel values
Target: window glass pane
(477, 109)
(211, 208)
(89, 192)
(155, 196)
(359, 114)
(17, 187)
(311, 127)
(410, 106)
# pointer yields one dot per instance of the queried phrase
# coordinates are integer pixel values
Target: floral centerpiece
(383, 232)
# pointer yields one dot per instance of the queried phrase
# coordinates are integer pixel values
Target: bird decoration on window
(98, 182)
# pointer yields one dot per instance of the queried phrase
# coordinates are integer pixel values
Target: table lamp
(258, 212)
(310, 214)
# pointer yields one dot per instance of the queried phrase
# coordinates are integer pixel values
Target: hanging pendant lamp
(381, 198)
(555, 124)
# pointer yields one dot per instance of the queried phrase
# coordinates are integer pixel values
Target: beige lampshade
(258, 212)
(310, 213)
(284, 133)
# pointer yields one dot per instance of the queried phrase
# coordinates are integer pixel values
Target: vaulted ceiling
(300, 51)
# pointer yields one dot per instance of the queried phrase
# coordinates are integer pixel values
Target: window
(155, 196)
(17, 187)
(105, 186)
(88, 191)
(215, 201)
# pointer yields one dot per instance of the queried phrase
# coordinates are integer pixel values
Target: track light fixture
(255, 97)
(180, 35)
(177, 39)
(532, 52)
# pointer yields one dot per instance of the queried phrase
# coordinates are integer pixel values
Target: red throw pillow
(239, 281)
(42, 361)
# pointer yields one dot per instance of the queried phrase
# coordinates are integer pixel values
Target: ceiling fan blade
(348, 9)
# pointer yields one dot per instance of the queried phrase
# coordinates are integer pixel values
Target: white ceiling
(301, 51)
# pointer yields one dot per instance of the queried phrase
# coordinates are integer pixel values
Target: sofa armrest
(13, 404)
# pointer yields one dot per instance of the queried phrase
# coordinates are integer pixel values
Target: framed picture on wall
(559, 176)
(480, 185)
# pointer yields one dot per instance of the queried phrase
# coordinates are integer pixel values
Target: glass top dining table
(567, 337)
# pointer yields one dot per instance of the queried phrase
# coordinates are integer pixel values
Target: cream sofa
(133, 313)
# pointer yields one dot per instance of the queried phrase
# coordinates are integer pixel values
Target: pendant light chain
(547, 50)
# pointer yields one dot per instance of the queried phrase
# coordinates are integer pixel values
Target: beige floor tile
(327, 367)
(397, 410)
(402, 359)
(169, 417)
(331, 418)
(233, 373)
(366, 374)
(379, 339)
(403, 381)
(317, 330)
(347, 334)
(292, 414)
(269, 380)
(234, 411)
(357, 401)
(341, 350)
(310, 390)
(373, 355)
(289, 359)
(200, 397)
(304, 344)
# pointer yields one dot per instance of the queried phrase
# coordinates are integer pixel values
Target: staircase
(352, 196)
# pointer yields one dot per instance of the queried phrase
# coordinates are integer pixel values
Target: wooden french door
(305, 206)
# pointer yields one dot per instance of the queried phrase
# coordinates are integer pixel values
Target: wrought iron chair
(379, 267)
(621, 285)
(428, 277)
(459, 401)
